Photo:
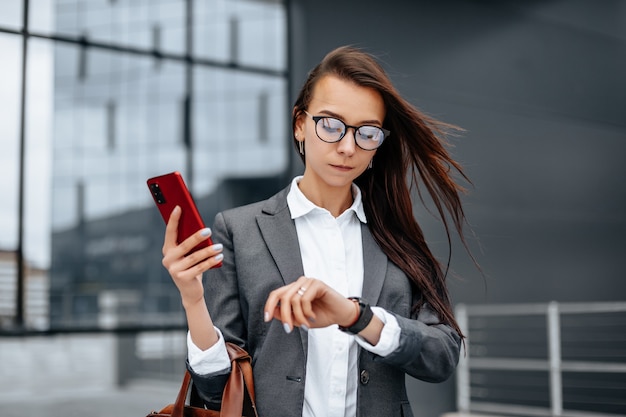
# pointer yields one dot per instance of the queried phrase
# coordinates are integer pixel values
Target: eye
(370, 133)
(332, 125)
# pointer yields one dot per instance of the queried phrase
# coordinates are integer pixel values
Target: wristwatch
(365, 317)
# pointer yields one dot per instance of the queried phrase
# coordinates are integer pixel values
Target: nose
(347, 144)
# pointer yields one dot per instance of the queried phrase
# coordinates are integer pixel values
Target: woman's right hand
(186, 268)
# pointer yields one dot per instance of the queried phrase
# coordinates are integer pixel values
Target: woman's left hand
(309, 303)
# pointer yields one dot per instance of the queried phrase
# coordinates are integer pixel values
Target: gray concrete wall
(539, 87)
(57, 366)
(540, 90)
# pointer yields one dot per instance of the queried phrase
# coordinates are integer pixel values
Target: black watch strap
(365, 317)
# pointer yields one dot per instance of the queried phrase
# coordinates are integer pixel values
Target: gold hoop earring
(301, 145)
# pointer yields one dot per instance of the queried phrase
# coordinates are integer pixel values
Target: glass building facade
(117, 92)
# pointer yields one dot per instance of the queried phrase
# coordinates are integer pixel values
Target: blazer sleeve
(209, 387)
(221, 295)
(428, 349)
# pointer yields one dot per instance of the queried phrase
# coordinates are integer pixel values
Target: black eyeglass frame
(316, 119)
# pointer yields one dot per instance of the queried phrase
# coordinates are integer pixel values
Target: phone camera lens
(158, 195)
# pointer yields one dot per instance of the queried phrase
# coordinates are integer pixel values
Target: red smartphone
(169, 191)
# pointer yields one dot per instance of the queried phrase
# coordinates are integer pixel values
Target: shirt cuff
(389, 336)
(214, 360)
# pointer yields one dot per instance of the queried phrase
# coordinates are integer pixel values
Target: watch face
(365, 317)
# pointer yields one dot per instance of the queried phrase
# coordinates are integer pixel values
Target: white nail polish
(205, 232)
(287, 328)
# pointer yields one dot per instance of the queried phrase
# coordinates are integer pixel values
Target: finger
(296, 311)
(270, 310)
(286, 309)
(198, 262)
(306, 304)
(187, 245)
(203, 254)
(278, 306)
(171, 229)
(205, 265)
(181, 274)
(304, 294)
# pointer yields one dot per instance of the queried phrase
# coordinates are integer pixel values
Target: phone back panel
(169, 191)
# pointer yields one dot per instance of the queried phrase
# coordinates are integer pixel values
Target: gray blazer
(261, 253)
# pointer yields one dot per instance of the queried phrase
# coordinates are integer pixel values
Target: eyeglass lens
(330, 129)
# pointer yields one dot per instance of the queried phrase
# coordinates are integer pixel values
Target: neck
(334, 199)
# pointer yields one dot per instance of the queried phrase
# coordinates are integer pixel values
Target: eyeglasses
(331, 130)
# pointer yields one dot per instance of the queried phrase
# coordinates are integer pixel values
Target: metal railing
(497, 344)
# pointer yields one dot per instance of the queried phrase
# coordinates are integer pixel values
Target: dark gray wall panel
(539, 87)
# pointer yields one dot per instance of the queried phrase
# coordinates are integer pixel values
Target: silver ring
(301, 291)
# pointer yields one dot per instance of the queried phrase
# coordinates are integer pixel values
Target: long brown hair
(416, 150)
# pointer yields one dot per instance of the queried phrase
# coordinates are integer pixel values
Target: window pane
(11, 14)
(38, 151)
(211, 30)
(240, 126)
(248, 33)
(168, 25)
(41, 16)
(11, 76)
(157, 24)
(262, 35)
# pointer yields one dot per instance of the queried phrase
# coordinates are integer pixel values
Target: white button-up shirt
(332, 252)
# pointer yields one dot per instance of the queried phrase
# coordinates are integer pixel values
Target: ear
(299, 127)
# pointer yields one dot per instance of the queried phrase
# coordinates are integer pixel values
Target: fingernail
(217, 247)
(304, 327)
(205, 232)
(287, 328)
(266, 316)
(219, 257)
(312, 320)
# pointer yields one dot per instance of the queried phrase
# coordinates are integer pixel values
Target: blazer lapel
(281, 238)
(279, 232)
(374, 267)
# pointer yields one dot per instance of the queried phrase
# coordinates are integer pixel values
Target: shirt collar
(299, 205)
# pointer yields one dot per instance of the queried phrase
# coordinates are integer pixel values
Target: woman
(345, 228)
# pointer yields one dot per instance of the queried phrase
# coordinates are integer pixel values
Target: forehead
(345, 98)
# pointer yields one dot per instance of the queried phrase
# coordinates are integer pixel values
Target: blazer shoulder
(271, 206)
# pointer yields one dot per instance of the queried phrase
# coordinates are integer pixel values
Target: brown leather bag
(237, 400)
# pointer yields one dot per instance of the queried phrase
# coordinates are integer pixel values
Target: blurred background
(100, 95)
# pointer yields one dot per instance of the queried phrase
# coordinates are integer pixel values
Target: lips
(341, 167)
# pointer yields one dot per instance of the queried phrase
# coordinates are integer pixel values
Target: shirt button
(364, 377)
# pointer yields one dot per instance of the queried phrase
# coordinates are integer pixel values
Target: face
(337, 165)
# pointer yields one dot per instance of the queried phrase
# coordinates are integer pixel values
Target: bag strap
(239, 382)
(181, 399)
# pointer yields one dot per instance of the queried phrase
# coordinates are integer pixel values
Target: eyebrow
(363, 122)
